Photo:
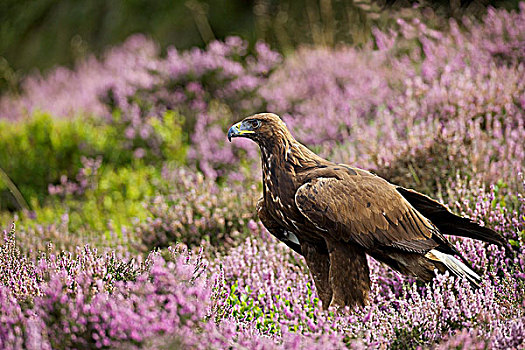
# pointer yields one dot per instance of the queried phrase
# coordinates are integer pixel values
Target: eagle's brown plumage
(334, 215)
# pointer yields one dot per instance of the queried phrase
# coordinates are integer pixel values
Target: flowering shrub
(423, 106)
(133, 86)
(440, 111)
(84, 179)
(260, 294)
(208, 88)
(269, 287)
(91, 300)
(192, 209)
(380, 108)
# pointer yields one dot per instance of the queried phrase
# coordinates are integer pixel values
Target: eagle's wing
(288, 238)
(365, 209)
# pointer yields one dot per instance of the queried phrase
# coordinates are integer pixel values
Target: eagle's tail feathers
(457, 267)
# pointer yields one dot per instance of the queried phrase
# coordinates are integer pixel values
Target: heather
(135, 218)
(258, 294)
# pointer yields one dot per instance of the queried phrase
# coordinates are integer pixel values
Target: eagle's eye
(253, 123)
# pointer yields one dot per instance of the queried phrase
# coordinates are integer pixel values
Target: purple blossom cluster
(259, 295)
(442, 109)
(415, 89)
(209, 88)
(492, 207)
(194, 209)
(89, 300)
(272, 283)
(85, 179)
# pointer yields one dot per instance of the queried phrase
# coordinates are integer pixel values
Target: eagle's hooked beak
(238, 130)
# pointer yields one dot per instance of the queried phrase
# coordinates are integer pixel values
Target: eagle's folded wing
(366, 210)
(288, 238)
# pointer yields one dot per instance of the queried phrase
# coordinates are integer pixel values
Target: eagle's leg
(349, 274)
(318, 262)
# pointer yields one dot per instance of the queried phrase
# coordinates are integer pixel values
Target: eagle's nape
(334, 215)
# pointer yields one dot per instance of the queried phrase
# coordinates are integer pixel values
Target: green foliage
(101, 216)
(407, 339)
(246, 308)
(118, 192)
(114, 202)
(268, 318)
(39, 151)
(36, 152)
(171, 137)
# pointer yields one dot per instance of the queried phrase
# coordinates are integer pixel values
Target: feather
(457, 267)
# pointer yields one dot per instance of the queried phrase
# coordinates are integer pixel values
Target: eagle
(335, 214)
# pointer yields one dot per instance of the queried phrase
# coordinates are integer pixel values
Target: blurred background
(111, 111)
(40, 34)
(113, 121)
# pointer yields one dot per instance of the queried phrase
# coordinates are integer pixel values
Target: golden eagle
(334, 214)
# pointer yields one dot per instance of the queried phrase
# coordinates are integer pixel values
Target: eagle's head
(263, 128)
